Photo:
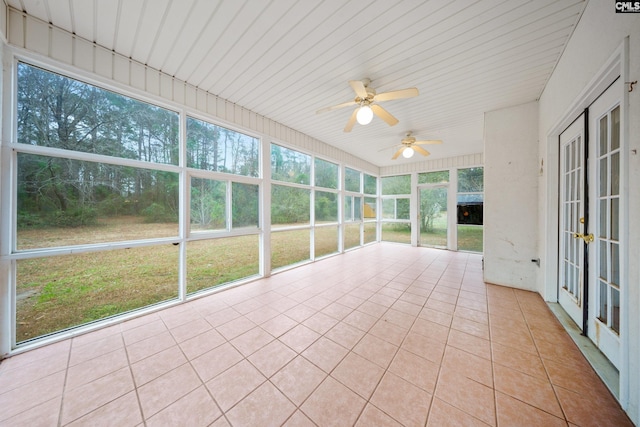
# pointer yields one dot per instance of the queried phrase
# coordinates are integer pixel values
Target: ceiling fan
(409, 145)
(367, 99)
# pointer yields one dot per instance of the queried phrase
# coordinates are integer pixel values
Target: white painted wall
(511, 196)
(598, 35)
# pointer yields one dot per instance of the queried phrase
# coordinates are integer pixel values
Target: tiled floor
(386, 335)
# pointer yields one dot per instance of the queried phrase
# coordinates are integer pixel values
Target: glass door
(433, 216)
(606, 281)
(572, 221)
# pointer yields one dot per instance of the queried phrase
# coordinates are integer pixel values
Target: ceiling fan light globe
(365, 115)
(407, 153)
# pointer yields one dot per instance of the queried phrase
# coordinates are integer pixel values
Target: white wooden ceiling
(285, 59)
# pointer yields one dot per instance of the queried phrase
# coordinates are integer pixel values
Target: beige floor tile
(337, 311)
(202, 343)
(431, 330)
(583, 410)
(333, 404)
(401, 400)
(471, 327)
(470, 343)
(441, 414)
(144, 332)
(221, 317)
(167, 389)
(424, 347)
(415, 369)
(372, 416)
(532, 390)
(389, 332)
(519, 360)
(266, 406)
(194, 409)
(272, 357)
(95, 368)
(83, 352)
(436, 316)
(467, 364)
(325, 354)
(145, 348)
(467, 395)
(44, 414)
(87, 398)
(279, 325)
(124, 411)
(234, 384)
(252, 341)
(345, 335)
(191, 329)
(159, 364)
(235, 328)
(216, 361)
(376, 350)
(360, 320)
(299, 338)
(358, 374)
(320, 323)
(298, 419)
(298, 379)
(513, 412)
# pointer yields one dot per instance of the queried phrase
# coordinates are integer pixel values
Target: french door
(433, 216)
(589, 279)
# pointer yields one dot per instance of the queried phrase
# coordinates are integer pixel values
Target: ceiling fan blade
(358, 88)
(384, 115)
(352, 121)
(395, 156)
(428, 142)
(335, 107)
(396, 94)
(391, 146)
(421, 150)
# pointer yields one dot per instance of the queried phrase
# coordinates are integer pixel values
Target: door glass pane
(603, 303)
(603, 219)
(603, 177)
(604, 130)
(615, 264)
(615, 222)
(604, 271)
(433, 216)
(615, 310)
(615, 174)
(615, 128)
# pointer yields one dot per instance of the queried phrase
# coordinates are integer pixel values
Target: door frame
(617, 65)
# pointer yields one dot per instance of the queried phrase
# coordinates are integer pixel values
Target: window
(214, 148)
(351, 180)
(289, 165)
(326, 174)
(60, 112)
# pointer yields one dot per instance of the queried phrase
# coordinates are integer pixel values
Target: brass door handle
(588, 238)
